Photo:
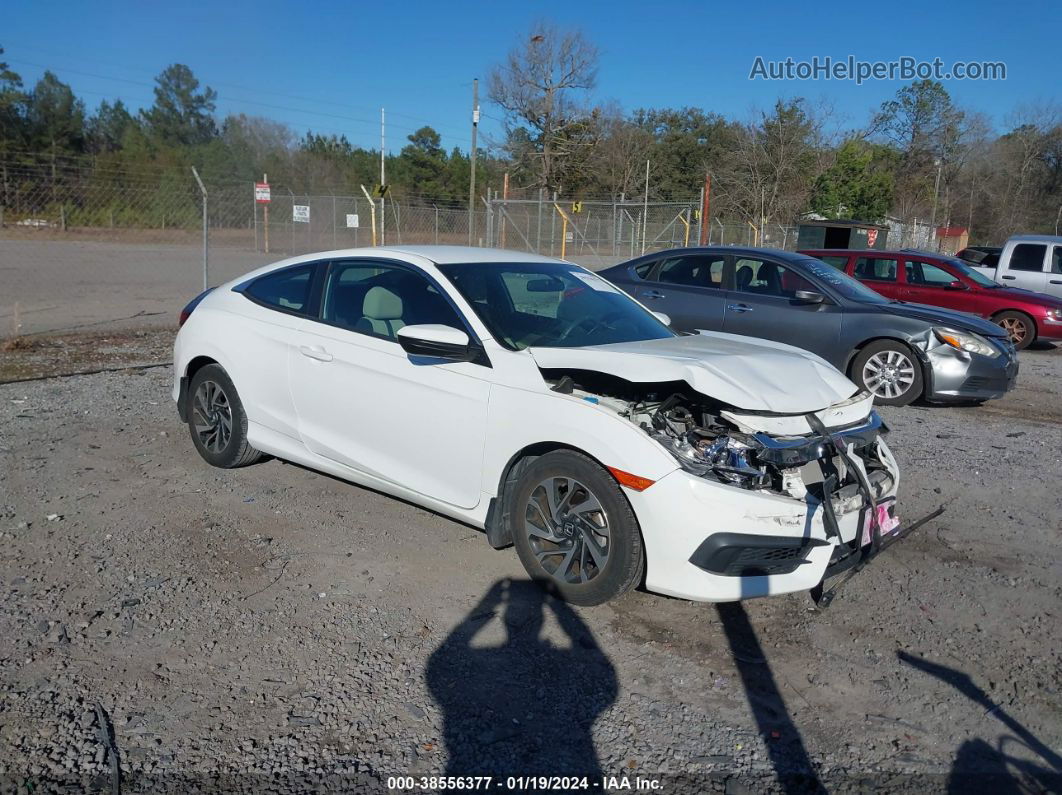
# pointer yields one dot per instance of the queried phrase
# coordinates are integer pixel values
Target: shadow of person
(980, 767)
(519, 695)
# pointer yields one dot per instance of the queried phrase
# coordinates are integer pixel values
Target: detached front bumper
(710, 542)
(957, 375)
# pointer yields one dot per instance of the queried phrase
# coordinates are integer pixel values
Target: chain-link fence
(79, 251)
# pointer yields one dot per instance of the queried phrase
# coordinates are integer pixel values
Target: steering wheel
(590, 324)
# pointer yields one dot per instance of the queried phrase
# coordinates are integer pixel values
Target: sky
(330, 66)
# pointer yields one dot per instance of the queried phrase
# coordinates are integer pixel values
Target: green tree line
(919, 156)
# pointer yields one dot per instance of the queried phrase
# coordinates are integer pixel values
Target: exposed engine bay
(716, 441)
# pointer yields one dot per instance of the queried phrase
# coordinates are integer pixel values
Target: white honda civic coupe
(529, 397)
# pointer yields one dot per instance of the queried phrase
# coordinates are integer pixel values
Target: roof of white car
(1037, 238)
(444, 255)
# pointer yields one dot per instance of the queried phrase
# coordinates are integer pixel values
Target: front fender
(521, 418)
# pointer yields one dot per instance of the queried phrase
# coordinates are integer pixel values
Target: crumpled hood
(960, 321)
(750, 374)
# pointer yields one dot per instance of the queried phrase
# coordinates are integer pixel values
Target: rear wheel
(574, 530)
(1019, 326)
(889, 371)
(217, 421)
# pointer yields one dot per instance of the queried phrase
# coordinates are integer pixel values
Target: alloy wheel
(568, 530)
(212, 416)
(1015, 328)
(888, 374)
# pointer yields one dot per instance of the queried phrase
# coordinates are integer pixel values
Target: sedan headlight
(971, 343)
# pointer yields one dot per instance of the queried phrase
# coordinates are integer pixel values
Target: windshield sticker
(594, 282)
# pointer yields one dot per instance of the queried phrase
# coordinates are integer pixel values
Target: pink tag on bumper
(887, 523)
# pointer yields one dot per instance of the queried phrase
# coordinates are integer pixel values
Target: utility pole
(472, 176)
(383, 177)
(645, 205)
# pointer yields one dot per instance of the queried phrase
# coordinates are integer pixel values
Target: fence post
(206, 233)
(254, 210)
(538, 233)
(433, 204)
(553, 227)
(333, 220)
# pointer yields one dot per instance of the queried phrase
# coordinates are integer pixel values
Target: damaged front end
(833, 461)
(784, 454)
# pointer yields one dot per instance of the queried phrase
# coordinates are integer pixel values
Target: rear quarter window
(287, 290)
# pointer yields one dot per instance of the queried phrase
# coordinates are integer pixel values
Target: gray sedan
(897, 351)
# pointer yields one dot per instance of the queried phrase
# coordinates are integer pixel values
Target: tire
(899, 378)
(566, 532)
(213, 404)
(1020, 327)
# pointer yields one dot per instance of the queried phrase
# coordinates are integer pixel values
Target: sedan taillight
(187, 311)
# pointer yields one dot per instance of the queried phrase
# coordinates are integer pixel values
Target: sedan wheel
(567, 530)
(888, 374)
(889, 371)
(574, 529)
(217, 421)
(1019, 328)
(212, 416)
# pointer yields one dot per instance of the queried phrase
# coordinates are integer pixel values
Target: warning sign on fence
(300, 213)
(352, 220)
(261, 192)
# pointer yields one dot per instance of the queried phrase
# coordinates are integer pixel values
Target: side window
(1028, 257)
(834, 262)
(379, 299)
(926, 274)
(1056, 259)
(768, 278)
(645, 269)
(694, 271)
(875, 269)
(287, 289)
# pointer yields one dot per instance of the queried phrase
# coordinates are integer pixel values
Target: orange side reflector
(631, 481)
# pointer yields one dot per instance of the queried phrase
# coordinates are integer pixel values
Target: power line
(229, 98)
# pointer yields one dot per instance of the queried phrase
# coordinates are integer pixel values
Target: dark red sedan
(920, 277)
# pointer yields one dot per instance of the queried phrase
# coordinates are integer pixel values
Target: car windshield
(553, 305)
(841, 282)
(972, 274)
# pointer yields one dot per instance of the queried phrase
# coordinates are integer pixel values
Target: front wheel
(890, 372)
(1019, 327)
(574, 530)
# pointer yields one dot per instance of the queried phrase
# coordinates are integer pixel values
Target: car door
(1054, 275)
(1026, 267)
(363, 402)
(880, 275)
(689, 289)
(277, 303)
(928, 283)
(763, 303)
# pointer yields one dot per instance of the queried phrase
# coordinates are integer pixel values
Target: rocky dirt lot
(272, 628)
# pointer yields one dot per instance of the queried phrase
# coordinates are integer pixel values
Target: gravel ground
(272, 628)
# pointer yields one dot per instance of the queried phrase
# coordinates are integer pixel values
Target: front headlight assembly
(971, 343)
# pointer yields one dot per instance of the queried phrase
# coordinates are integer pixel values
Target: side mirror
(956, 285)
(663, 318)
(437, 341)
(809, 297)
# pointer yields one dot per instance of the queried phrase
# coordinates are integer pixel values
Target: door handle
(738, 308)
(314, 352)
(653, 294)
(1056, 281)
(1012, 278)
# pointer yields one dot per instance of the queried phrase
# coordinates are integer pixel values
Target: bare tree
(543, 86)
(619, 158)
